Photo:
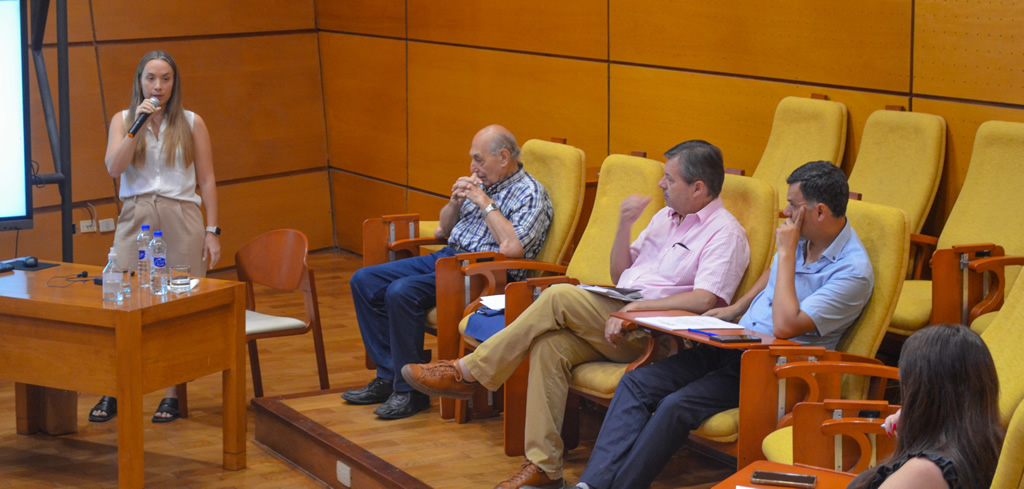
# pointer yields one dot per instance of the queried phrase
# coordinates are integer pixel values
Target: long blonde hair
(178, 135)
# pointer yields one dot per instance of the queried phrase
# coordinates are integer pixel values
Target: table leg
(234, 387)
(26, 402)
(128, 341)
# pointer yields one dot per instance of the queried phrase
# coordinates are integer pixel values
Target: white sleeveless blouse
(155, 176)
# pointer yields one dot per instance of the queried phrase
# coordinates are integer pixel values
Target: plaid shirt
(523, 201)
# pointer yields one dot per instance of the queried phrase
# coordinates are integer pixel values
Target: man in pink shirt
(691, 256)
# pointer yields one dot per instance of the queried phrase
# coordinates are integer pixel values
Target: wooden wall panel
(79, 22)
(248, 209)
(962, 121)
(971, 50)
(376, 17)
(44, 239)
(454, 91)
(860, 44)
(358, 198)
(89, 179)
(365, 99)
(261, 97)
(653, 109)
(567, 27)
(128, 19)
(428, 206)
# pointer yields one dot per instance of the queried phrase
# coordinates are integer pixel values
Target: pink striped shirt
(706, 250)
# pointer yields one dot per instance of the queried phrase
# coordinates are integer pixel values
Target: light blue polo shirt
(832, 291)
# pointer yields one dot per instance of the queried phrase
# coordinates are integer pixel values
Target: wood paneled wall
(324, 113)
(254, 75)
(615, 76)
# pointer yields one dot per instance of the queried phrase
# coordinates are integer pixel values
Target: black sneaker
(376, 392)
(402, 405)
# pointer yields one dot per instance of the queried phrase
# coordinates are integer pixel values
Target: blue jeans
(391, 301)
(653, 411)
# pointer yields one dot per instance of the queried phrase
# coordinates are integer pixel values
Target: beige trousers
(563, 328)
(180, 221)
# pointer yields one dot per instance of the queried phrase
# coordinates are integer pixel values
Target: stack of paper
(688, 322)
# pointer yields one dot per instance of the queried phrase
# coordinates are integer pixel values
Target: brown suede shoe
(442, 378)
(530, 475)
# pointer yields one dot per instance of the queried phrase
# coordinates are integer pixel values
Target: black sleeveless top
(872, 478)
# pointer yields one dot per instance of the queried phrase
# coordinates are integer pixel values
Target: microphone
(139, 121)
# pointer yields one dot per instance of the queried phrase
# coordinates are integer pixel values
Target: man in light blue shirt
(819, 282)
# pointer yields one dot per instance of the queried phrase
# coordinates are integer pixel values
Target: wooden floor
(187, 453)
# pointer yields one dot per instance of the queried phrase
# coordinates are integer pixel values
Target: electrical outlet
(87, 226)
(107, 225)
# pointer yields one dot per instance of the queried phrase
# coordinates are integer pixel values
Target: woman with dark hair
(160, 168)
(948, 430)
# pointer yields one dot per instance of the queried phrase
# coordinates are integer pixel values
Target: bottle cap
(158, 234)
(145, 227)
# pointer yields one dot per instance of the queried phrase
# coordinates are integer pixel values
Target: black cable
(81, 277)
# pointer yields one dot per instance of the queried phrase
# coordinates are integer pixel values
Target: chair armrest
(996, 265)
(922, 246)
(412, 245)
(824, 378)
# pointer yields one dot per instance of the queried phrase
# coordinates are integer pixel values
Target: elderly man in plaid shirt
(498, 207)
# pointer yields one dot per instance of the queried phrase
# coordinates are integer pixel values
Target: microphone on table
(141, 119)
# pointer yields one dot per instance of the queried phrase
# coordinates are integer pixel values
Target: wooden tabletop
(827, 479)
(636, 317)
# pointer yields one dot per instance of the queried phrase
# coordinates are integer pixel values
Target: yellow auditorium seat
(885, 233)
(1003, 338)
(559, 167)
(804, 129)
(981, 222)
(900, 162)
(620, 177)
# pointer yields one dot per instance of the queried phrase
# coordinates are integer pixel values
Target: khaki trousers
(180, 221)
(562, 329)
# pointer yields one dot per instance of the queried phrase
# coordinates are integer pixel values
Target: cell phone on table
(736, 338)
(784, 479)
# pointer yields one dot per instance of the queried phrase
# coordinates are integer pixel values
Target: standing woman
(160, 168)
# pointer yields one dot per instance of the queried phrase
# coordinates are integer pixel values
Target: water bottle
(112, 289)
(159, 273)
(142, 242)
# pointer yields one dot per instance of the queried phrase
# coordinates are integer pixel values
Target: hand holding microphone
(143, 116)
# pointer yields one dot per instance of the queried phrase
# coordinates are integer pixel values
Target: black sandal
(108, 405)
(168, 405)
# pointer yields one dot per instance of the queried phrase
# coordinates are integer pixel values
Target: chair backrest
(900, 162)
(983, 212)
(1010, 470)
(275, 259)
(620, 177)
(803, 130)
(561, 169)
(885, 233)
(753, 203)
(1004, 337)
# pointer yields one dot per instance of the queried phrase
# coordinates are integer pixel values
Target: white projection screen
(15, 158)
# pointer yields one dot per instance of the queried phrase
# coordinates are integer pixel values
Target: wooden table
(69, 338)
(827, 479)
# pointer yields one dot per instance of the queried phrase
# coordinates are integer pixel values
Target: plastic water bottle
(142, 242)
(112, 289)
(159, 274)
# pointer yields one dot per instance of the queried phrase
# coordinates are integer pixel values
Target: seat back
(753, 203)
(1004, 336)
(885, 233)
(983, 212)
(561, 169)
(275, 259)
(803, 130)
(900, 162)
(620, 177)
(1010, 469)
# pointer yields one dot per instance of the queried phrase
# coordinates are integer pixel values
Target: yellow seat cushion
(723, 427)
(981, 323)
(914, 307)
(462, 332)
(778, 446)
(597, 378)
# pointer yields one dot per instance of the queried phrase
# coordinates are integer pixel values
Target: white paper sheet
(494, 302)
(688, 322)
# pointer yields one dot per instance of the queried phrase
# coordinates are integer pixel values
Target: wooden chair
(978, 226)
(277, 259)
(803, 130)
(620, 176)
(900, 162)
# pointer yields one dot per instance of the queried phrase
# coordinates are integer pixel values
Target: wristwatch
(213, 229)
(492, 207)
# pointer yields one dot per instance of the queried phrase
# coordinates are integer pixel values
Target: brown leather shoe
(442, 378)
(530, 475)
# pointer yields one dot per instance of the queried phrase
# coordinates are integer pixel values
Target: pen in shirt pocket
(683, 245)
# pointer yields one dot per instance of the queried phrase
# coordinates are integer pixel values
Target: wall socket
(87, 226)
(107, 225)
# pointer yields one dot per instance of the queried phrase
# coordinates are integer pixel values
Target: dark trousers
(653, 411)
(391, 302)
